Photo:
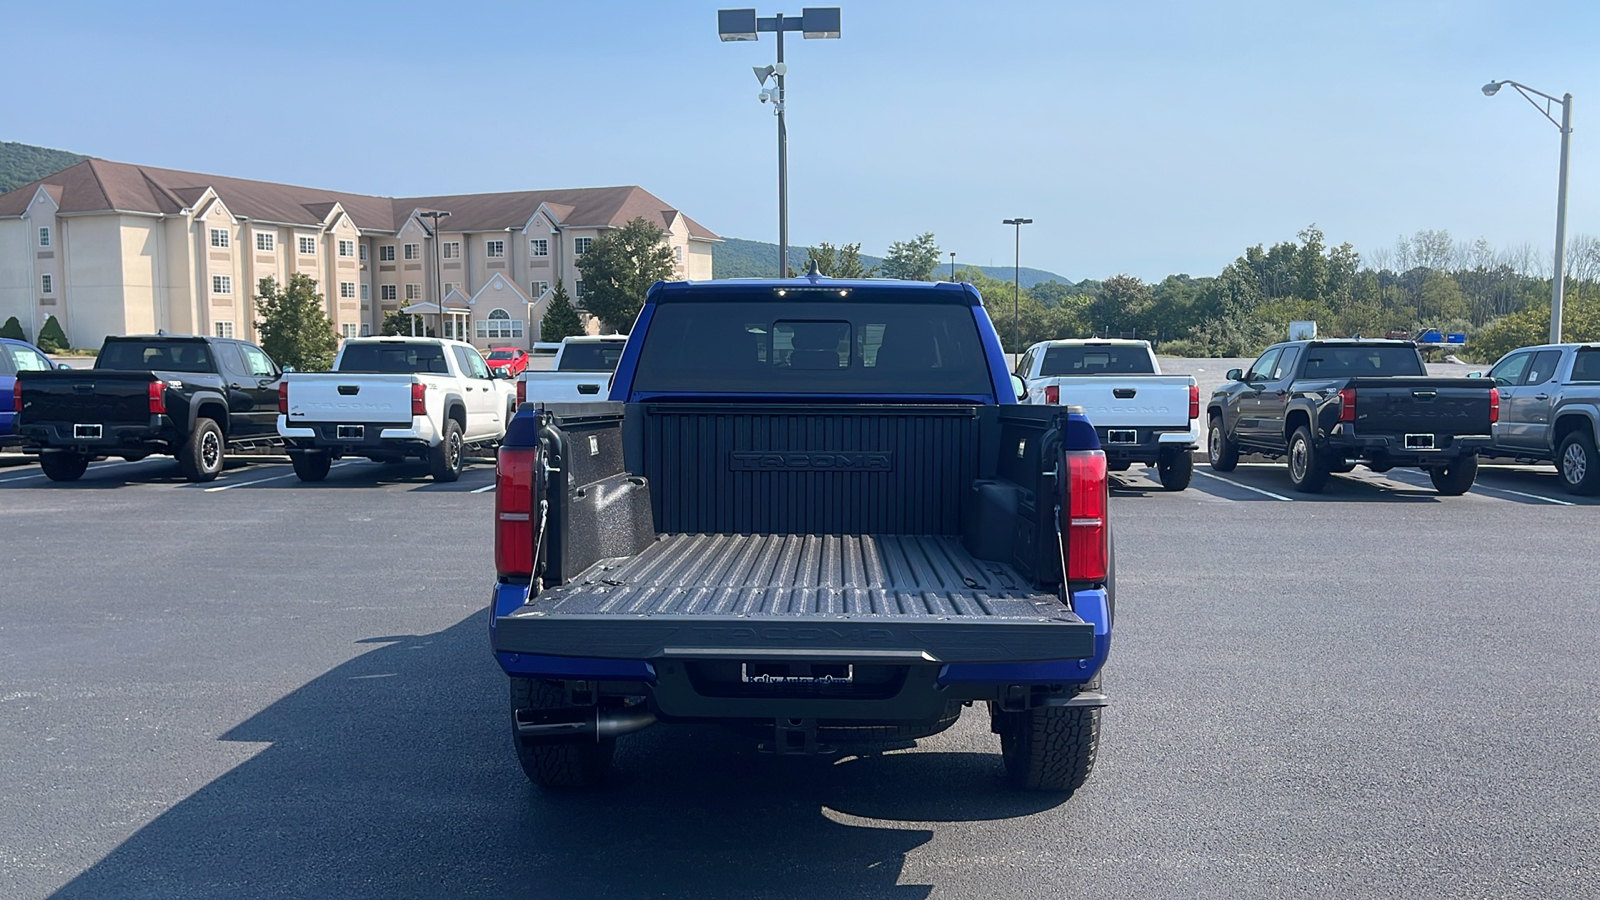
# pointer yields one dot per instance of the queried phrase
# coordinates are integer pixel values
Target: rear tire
(1457, 478)
(312, 465)
(66, 466)
(446, 460)
(1175, 468)
(202, 455)
(1577, 464)
(1308, 470)
(1221, 451)
(1049, 748)
(555, 765)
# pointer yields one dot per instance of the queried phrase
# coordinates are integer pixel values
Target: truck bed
(920, 598)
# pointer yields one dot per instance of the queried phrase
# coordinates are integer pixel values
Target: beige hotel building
(111, 248)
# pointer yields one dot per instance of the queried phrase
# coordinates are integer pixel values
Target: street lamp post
(438, 263)
(1559, 288)
(743, 25)
(952, 265)
(1016, 286)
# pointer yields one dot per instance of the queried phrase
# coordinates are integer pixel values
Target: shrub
(51, 338)
(1181, 347)
(12, 329)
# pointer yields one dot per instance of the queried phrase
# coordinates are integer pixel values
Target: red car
(510, 357)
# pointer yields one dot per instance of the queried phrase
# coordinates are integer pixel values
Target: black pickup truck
(182, 396)
(1331, 405)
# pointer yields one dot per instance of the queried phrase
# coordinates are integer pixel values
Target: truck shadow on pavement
(392, 776)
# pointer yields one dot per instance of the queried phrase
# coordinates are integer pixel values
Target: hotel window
(348, 329)
(500, 324)
(347, 290)
(578, 290)
(452, 249)
(347, 248)
(46, 283)
(44, 237)
(450, 286)
(363, 252)
(386, 253)
(366, 330)
(538, 247)
(308, 246)
(677, 254)
(580, 246)
(222, 284)
(224, 329)
(265, 241)
(494, 249)
(413, 251)
(386, 292)
(413, 292)
(366, 291)
(539, 287)
(219, 238)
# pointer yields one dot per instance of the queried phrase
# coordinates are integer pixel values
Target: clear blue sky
(1142, 137)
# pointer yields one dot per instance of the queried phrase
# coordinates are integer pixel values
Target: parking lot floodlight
(1491, 88)
(820, 22)
(736, 24)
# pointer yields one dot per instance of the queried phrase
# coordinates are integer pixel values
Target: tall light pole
(1016, 286)
(1559, 289)
(438, 263)
(952, 265)
(743, 25)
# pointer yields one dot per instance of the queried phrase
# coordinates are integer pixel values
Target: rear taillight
(1086, 545)
(1052, 394)
(419, 406)
(1347, 404)
(514, 511)
(16, 395)
(283, 398)
(522, 392)
(1494, 405)
(1194, 401)
(158, 398)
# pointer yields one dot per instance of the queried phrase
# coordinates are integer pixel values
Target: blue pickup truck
(812, 511)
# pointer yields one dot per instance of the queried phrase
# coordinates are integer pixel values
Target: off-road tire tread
(1317, 471)
(189, 453)
(556, 765)
(1175, 469)
(307, 470)
(1457, 478)
(438, 457)
(1228, 459)
(1050, 748)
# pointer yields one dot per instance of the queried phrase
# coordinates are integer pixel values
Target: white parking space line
(229, 487)
(1489, 487)
(483, 490)
(1247, 487)
(93, 467)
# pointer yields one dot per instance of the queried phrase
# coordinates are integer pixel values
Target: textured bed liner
(899, 596)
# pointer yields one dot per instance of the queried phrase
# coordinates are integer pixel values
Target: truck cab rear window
(394, 359)
(1330, 361)
(591, 357)
(161, 356)
(812, 348)
(1096, 361)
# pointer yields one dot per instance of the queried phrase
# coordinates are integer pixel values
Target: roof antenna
(814, 273)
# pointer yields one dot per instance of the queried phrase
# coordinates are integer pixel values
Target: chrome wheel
(1574, 464)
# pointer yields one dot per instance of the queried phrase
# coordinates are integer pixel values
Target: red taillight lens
(158, 398)
(514, 511)
(1347, 405)
(419, 406)
(522, 392)
(1194, 401)
(16, 395)
(1494, 405)
(1052, 394)
(1087, 548)
(283, 398)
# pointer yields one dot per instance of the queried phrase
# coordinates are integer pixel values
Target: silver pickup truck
(1550, 411)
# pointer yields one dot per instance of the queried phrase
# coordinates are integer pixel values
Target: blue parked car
(15, 356)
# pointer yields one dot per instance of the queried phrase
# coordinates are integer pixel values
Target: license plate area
(1419, 442)
(1122, 436)
(88, 432)
(351, 432)
(782, 673)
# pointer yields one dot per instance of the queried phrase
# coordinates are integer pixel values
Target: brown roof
(96, 185)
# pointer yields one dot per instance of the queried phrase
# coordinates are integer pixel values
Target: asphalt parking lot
(258, 688)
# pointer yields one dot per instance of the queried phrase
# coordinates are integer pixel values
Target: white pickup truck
(581, 371)
(1141, 415)
(393, 398)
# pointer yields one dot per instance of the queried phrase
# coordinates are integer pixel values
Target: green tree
(1124, 301)
(398, 324)
(912, 260)
(560, 318)
(843, 261)
(12, 329)
(51, 338)
(295, 328)
(619, 267)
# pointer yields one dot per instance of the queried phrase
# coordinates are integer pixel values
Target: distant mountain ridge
(22, 163)
(739, 258)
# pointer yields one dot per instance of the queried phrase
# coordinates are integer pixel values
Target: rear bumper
(158, 434)
(372, 436)
(1392, 449)
(1148, 443)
